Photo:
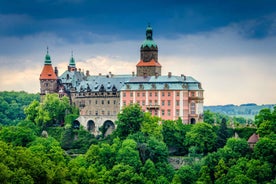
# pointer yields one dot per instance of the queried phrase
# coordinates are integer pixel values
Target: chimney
(110, 74)
(133, 74)
(79, 70)
(156, 75)
(87, 73)
(183, 76)
(100, 74)
(169, 74)
(56, 71)
(68, 68)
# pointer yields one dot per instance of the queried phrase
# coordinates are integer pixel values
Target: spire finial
(47, 50)
(72, 54)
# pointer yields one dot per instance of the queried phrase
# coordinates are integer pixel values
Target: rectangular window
(163, 93)
(114, 102)
(177, 102)
(143, 94)
(150, 94)
(138, 102)
(163, 112)
(124, 94)
(193, 108)
(131, 94)
(163, 102)
(124, 103)
(156, 94)
(177, 93)
(143, 102)
(138, 94)
(102, 102)
(96, 101)
(96, 113)
(169, 112)
(169, 93)
(177, 112)
(150, 102)
(169, 103)
(155, 112)
(108, 102)
(155, 102)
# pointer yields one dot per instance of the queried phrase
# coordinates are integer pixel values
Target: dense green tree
(265, 149)
(51, 111)
(222, 134)
(150, 126)
(203, 137)
(209, 117)
(265, 115)
(185, 175)
(129, 121)
(174, 133)
(12, 106)
(128, 154)
(238, 146)
(17, 135)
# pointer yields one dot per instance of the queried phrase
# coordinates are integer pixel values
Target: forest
(39, 144)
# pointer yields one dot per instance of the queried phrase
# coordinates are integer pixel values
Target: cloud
(231, 67)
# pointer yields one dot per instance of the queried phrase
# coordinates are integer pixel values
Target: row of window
(143, 94)
(96, 113)
(103, 102)
(155, 102)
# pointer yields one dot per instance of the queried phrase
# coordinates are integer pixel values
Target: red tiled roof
(48, 73)
(150, 63)
(253, 138)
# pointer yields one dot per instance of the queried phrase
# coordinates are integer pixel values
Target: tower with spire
(48, 77)
(72, 63)
(148, 64)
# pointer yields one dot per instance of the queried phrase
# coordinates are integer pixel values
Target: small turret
(72, 63)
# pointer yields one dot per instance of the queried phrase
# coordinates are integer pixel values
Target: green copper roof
(47, 58)
(149, 41)
(72, 62)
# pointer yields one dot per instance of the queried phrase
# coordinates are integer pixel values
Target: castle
(101, 97)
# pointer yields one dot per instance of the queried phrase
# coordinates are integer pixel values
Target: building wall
(167, 104)
(97, 104)
(48, 86)
(148, 70)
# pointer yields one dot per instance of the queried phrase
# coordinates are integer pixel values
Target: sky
(229, 46)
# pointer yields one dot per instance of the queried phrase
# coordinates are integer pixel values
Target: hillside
(248, 110)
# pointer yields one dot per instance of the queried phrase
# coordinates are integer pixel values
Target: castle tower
(72, 64)
(148, 64)
(48, 78)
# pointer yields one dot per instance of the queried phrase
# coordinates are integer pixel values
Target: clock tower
(148, 64)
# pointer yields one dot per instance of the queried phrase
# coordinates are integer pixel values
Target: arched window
(192, 108)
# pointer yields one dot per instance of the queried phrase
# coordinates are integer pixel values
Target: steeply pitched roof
(48, 73)
(253, 138)
(150, 63)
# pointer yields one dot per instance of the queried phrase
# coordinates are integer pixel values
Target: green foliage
(222, 134)
(129, 121)
(12, 106)
(51, 111)
(150, 126)
(203, 137)
(185, 175)
(245, 132)
(174, 133)
(17, 135)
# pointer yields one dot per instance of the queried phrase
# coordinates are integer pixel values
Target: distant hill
(248, 110)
